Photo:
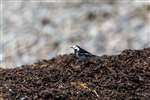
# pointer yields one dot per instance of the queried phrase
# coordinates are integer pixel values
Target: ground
(125, 76)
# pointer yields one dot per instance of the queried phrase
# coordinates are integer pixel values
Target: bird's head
(76, 47)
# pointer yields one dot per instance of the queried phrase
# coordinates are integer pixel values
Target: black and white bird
(81, 53)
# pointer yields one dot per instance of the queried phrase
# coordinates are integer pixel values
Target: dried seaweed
(119, 77)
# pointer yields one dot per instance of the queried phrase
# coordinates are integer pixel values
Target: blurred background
(33, 30)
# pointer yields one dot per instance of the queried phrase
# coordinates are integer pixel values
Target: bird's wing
(87, 54)
(84, 51)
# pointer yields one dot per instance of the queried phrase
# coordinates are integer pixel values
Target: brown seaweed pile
(119, 77)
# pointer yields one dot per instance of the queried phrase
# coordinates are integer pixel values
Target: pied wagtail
(81, 53)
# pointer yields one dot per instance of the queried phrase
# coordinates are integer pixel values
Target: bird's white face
(75, 47)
